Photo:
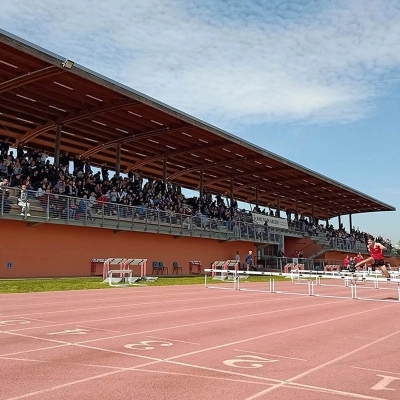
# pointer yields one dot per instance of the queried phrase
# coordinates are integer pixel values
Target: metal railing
(81, 211)
(56, 208)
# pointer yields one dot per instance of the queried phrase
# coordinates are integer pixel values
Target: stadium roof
(40, 90)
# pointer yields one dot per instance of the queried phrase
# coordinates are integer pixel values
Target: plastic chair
(162, 268)
(176, 268)
(156, 267)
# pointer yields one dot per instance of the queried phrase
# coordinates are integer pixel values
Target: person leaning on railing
(23, 201)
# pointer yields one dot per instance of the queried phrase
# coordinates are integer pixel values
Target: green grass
(62, 284)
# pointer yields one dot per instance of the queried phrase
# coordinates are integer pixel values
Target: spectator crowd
(91, 193)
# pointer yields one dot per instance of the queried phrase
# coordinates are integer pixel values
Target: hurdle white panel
(109, 263)
(124, 279)
(218, 270)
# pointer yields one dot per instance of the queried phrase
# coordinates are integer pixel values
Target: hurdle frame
(226, 266)
(313, 281)
(124, 264)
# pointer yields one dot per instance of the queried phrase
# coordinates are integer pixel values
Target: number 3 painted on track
(248, 359)
(145, 345)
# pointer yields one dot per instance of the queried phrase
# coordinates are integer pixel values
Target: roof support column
(118, 161)
(57, 147)
(350, 222)
(164, 171)
(278, 208)
(257, 197)
(201, 184)
(296, 216)
(340, 221)
(312, 212)
(231, 197)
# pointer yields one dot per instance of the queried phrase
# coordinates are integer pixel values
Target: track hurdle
(124, 270)
(142, 262)
(222, 269)
(237, 276)
(109, 262)
(314, 281)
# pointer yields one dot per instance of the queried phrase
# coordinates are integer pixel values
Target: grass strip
(63, 284)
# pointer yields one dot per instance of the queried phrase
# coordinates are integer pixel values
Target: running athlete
(376, 256)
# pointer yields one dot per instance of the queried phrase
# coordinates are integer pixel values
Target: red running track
(192, 342)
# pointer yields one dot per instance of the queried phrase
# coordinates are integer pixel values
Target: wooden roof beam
(174, 153)
(73, 117)
(132, 138)
(29, 78)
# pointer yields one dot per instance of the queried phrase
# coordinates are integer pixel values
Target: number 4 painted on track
(253, 361)
(77, 331)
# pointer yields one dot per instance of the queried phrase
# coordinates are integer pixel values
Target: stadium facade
(49, 105)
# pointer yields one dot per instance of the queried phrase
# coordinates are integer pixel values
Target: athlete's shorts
(378, 263)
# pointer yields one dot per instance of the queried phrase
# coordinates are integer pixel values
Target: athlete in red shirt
(376, 256)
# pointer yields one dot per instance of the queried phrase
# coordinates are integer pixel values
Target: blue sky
(317, 82)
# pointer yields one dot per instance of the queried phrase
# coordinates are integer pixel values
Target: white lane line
(119, 306)
(213, 321)
(45, 339)
(318, 367)
(33, 350)
(136, 315)
(153, 361)
(376, 370)
(25, 316)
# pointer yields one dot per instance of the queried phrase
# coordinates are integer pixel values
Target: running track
(192, 342)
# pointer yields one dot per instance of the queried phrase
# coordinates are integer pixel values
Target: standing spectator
(4, 148)
(84, 209)
(23, 201)
(4, 169)
(237, 258)
(249, 261)
(104, 172)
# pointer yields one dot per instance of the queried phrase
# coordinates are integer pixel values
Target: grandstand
(146, 152)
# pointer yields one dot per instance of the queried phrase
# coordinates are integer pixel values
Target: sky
(316, 82)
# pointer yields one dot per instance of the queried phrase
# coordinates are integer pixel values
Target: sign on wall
(272, 221)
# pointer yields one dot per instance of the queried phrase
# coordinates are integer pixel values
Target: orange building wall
(49, 250)
(306, 245)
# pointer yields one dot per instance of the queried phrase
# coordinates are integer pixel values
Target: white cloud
(313, 62)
